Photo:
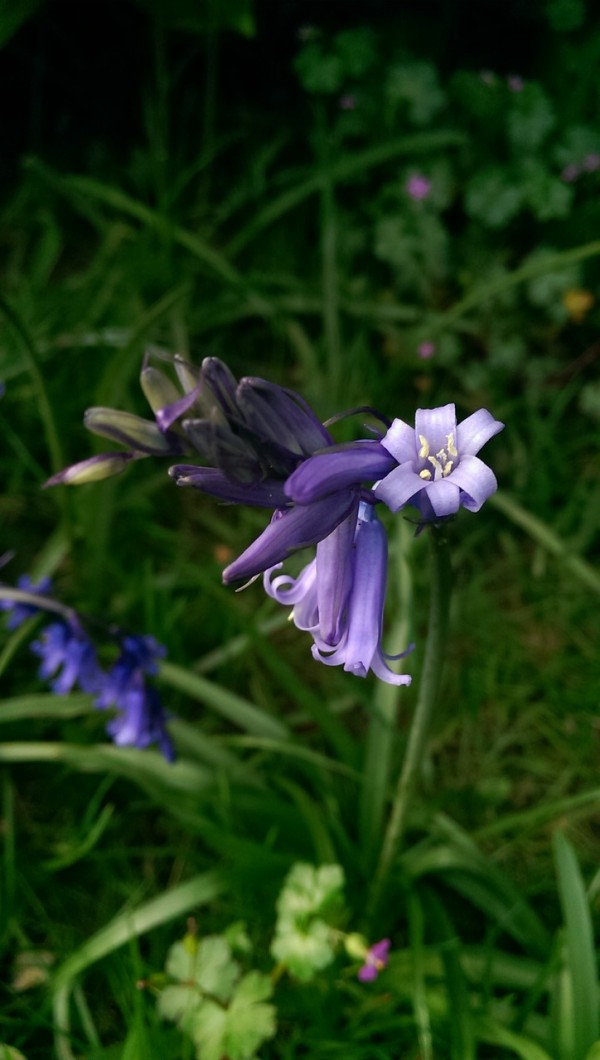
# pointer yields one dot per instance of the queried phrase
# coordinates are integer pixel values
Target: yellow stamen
(451, 446)
(447, 468)
(425, 473)
(424, 450)
(433, 460)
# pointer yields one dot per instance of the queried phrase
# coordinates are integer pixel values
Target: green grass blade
(45, 705)
(127, 925)
(344, 169)
(580, 1019)
(493, 1033)
(229, 705)
(547, 539)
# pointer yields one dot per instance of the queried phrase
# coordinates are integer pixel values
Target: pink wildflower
(375, 961)
(426, 350)
(418, 187)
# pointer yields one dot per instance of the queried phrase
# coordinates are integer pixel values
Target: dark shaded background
(74, 74)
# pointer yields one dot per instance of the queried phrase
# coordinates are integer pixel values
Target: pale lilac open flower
(375, 961)
(339, 597)
(438, 470)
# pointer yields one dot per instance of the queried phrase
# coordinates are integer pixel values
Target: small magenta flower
(375, 961)
(339, 597)
(438, 470)
(570, 173)
(418, 187)
(426, 350)
(515, 83)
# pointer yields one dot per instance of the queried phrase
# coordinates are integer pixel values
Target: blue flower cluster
(261, 444)
(68, 660)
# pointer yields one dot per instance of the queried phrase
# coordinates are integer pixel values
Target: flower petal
(267, 494)
(444, 496)
(334, 568)
(290, 530)
(327, 472)
(476, 481)
(399, 487)
(475, 431)
(280, 415)
(401, 441)
(435, 425)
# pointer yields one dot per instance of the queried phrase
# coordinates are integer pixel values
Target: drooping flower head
(69, 657)
(68, 660)
(339, 597)
(140, 719)
(438, 471)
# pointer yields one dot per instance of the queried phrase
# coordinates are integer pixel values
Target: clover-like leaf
(303, 950)
(310, 891)
(197, 971)
(249, 1020)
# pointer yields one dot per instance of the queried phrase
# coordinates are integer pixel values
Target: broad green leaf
(581, 977)
(211, 970)
(303, 951)
(207, 1029)
(249, 1020)
(309, 891)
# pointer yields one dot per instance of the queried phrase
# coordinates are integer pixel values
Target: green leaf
(319, 72)
(303, 951)
(531, 120)
(580, 1022)
(303, 940)
(493, 198)
(211, 970)
(208, 1031)
(249, 1021)
(14, 13)
(310, 891)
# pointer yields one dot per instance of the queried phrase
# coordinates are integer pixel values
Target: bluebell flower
(19, 612)
(339, 597)
(140, 719)
(438, 471)
(69, 656)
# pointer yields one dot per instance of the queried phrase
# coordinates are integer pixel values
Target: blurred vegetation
(276, 228)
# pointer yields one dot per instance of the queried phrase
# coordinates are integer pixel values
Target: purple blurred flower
(339, 597)
(18, 612)
(140, 719)
(591, 162)
(375, 961)
(438, 470)
(67, 652)
(570, 173)
(418, 187)
(515, 83)
(426, 350)
(347, 102)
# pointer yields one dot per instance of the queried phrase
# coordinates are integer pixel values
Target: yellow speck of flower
(578, 302)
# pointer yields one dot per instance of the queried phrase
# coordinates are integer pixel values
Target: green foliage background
(284, 241)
